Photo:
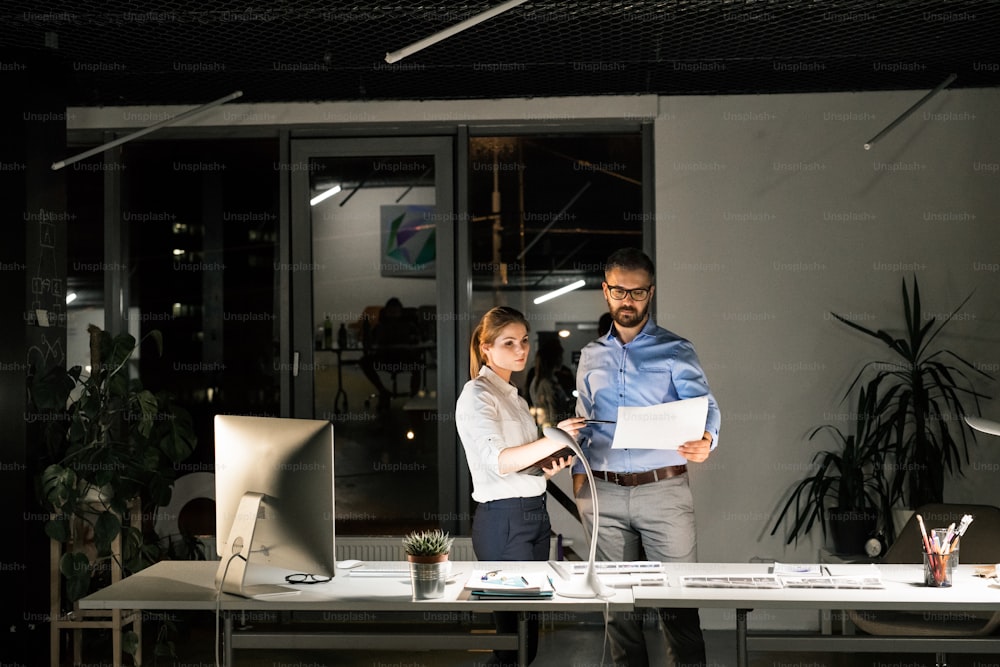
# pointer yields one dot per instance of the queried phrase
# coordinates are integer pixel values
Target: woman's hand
(572, 425)
(564, 462)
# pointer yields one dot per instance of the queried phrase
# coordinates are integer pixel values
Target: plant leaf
(75, 567)
(130, 642)
(106, 529)
(148, 408)
(58, 528)
(51, 389)
(58, 486)
(157, 337)
(178, 441)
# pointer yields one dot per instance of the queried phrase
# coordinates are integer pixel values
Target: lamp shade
(984, 425)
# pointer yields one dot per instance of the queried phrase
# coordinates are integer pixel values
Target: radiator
(388, 548)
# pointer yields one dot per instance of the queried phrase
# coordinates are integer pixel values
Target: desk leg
(741, 637)
(227, 639)
(522, 638)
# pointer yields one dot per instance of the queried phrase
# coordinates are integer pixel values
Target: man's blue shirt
(656, 367)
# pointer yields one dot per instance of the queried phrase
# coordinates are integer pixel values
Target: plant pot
(850, 528)
(428, 575)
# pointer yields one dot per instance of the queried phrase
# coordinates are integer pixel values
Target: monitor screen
(281, 471)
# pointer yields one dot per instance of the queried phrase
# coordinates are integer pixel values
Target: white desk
(904, 591)
(189, 585)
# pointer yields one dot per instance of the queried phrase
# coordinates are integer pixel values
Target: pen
(923, 534)
(947, 537)
(598, 421)
(524, 580)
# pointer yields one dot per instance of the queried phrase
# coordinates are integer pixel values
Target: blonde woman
(500, 438)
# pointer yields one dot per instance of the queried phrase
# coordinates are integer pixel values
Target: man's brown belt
(637, 478)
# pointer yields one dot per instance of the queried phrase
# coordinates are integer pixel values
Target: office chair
(979, 545)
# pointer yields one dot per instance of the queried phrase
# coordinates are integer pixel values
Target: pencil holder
(940, 563)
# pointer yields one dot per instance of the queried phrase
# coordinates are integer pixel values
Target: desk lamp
(984, 425)
(590, 586)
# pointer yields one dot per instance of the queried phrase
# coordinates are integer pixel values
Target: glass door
(371, 278)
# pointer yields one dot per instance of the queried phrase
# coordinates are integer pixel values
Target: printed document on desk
(513, 583)
(850, 576)
(785, 576)
(663, 426)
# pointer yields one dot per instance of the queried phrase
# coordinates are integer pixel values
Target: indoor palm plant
(847, 490)
(108, 443)
(920, 391)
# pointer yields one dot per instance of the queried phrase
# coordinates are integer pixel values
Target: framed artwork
(408, 241)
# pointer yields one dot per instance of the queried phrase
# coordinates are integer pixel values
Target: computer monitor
(274, 499)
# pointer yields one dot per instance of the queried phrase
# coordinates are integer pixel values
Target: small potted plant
(427, 551)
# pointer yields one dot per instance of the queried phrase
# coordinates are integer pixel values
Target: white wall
(770, 215)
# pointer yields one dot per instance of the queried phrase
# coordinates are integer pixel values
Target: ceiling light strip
(326, 194)
(903, 116)
(396, 56)
(559, 292)
(146, 130)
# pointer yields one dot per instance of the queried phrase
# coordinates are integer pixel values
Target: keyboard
(382, 569)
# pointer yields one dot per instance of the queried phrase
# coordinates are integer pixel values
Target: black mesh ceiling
(111, 52)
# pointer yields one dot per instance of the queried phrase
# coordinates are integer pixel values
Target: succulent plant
(427, 543)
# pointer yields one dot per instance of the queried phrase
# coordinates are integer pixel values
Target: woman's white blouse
(490, 416)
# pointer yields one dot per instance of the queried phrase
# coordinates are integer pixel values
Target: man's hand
(697, 451)
(579, 479)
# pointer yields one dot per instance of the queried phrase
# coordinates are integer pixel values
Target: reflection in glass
(374, 227)
(202, 219)
(546, 211)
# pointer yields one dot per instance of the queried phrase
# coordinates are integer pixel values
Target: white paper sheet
(664, 426)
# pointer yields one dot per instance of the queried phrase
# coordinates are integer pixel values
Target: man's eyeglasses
(301, 578)
(637, 293)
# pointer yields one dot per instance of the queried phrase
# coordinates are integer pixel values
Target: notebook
(514, 583)
(546, 462)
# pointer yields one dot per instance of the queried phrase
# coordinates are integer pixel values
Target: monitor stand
(231, 575)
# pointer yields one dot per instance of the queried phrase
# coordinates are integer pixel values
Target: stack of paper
(813, 575)
(832, 582)
(509, 583)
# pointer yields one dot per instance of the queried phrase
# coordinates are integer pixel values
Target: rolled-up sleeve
(478, 420)
(490, 416)
(690, 382)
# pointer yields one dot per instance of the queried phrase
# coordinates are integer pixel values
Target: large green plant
(850, 477)
(920, 390)
(108, 443)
